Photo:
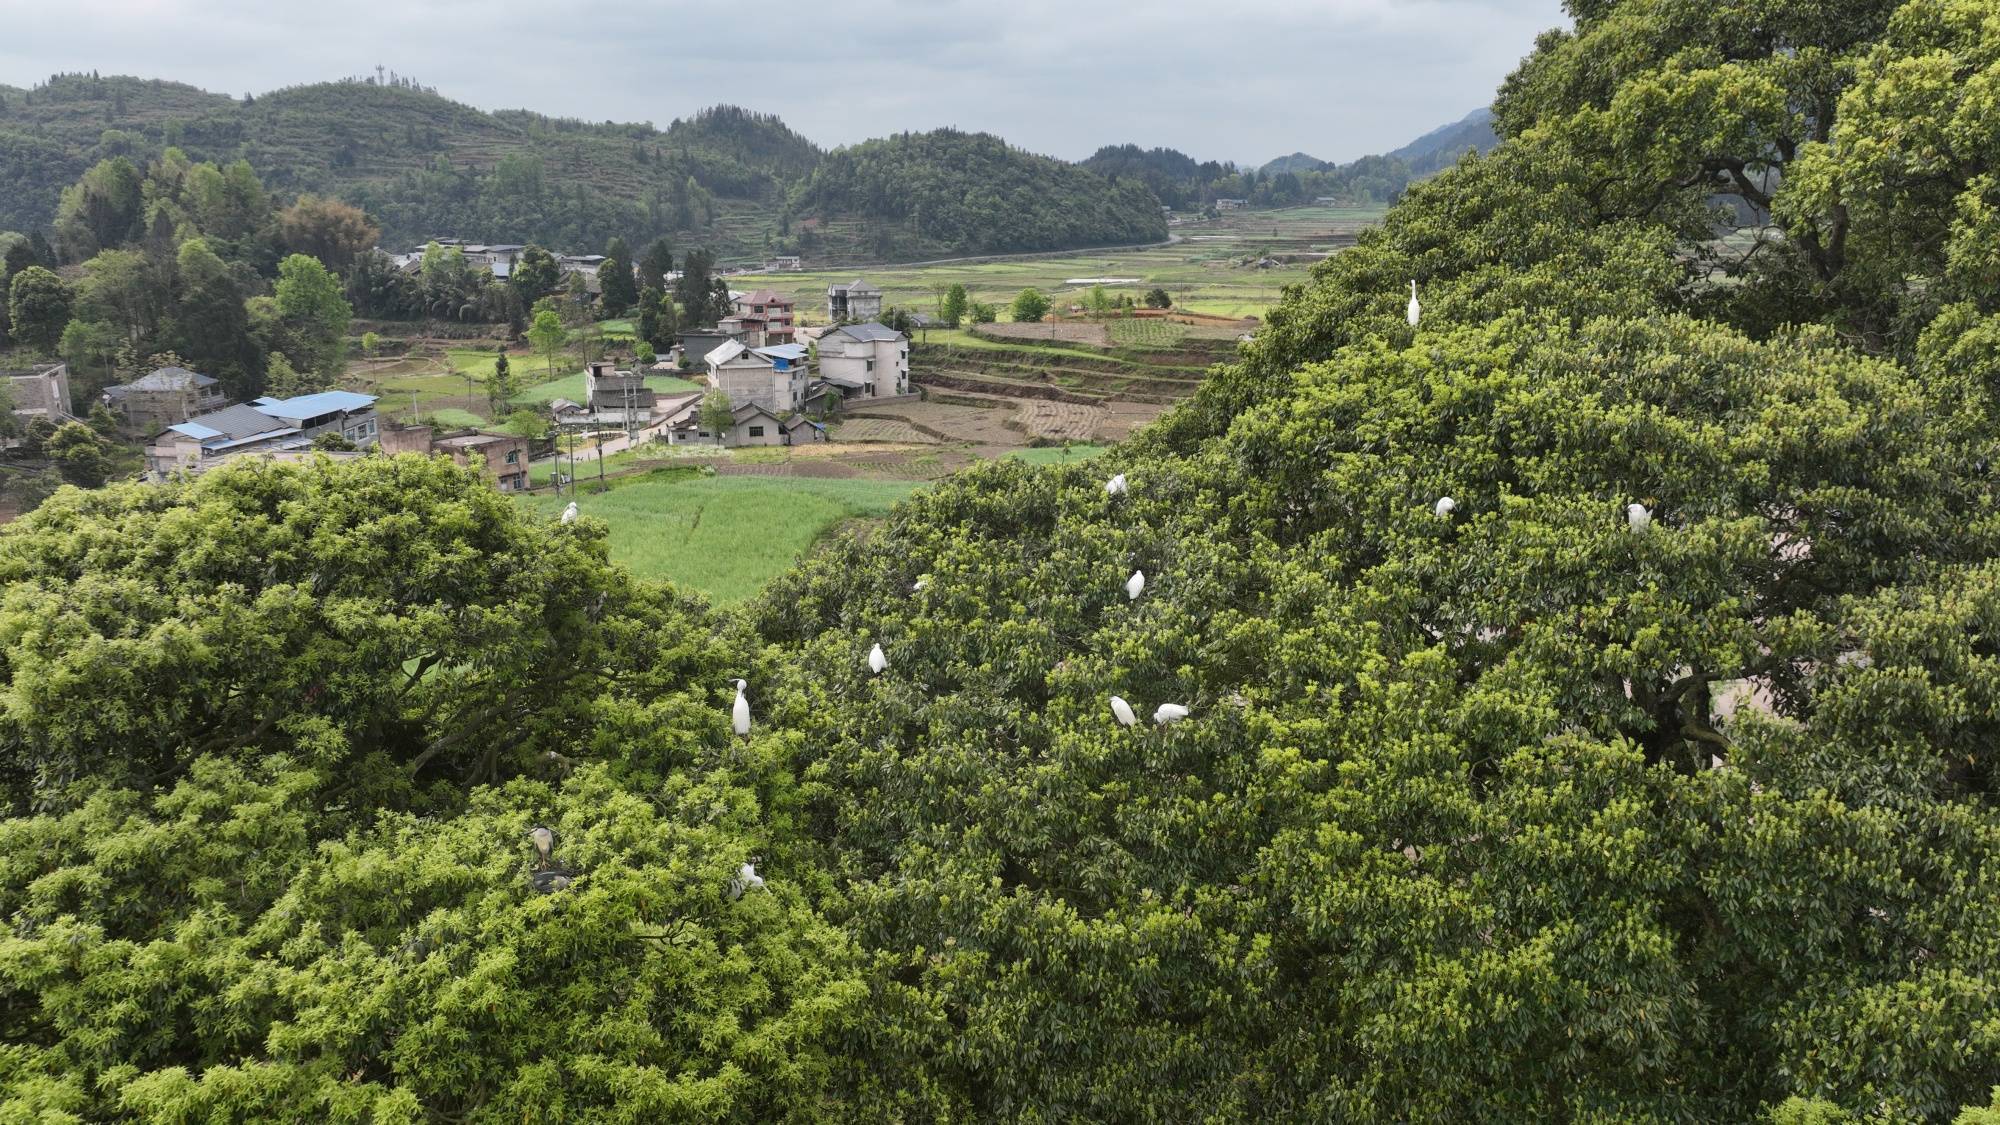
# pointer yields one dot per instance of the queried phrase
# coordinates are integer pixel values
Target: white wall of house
(746, 381)
(883, 365)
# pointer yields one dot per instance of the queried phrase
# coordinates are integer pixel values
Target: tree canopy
(1652, 777)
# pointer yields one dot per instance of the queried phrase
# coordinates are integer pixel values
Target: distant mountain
(1296, 162)
(423, 165)
(1428, 154)
(1441, 148)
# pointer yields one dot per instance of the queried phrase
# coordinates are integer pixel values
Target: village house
(41, 391)
(503, 457)
(611, 393)
(774, 377)
(1231, 204)
(750, 424)
(785, 263)
(854, 302)
(762, 319)
(153, 402)
(865, 360)
(289, 425)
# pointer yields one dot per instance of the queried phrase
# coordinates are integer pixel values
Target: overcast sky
(1242, 80)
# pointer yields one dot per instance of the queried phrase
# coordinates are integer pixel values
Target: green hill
(424, 165)
(929, 194)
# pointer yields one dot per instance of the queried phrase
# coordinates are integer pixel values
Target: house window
(756, 431)
(513, 457)
(871, 366)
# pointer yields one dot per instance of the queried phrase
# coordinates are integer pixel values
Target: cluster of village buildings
(783, 382)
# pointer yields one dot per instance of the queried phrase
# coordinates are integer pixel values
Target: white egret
(1446, 507)
(1123, 711)
(1115, 486)
(1416, 307)
(1638, 519)
(1135, 585)
(548, 876)
(740, 714)
(746, 879)
(922, 581)
(878, 661)
(569, 513)
(1169, 713)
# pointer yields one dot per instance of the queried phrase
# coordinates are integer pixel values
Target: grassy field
(571, 387)
(1059, 454)
(1206, 271)
(453, 416)
(725, 537)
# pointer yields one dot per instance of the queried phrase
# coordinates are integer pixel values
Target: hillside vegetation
(944, 190)
(423, 165)
(1653, 779)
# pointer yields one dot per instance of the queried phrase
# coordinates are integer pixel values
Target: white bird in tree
(1135, 585)
(740, 714)
(1123, 711)
(548, 876)
(569, 513)
(1638, 519)
(922, 581)
(878, 661)
(1446, 507)
(1115, 486)
(1169, 713)
(746, 879)
(1416, 307)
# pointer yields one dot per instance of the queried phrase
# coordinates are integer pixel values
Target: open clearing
(723, 536)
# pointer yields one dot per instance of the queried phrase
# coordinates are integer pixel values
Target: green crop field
(1208, 270)
(724, 537)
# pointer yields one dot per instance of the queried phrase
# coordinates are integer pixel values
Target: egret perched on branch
(878, 661)
(740, 714)
(1135, 585)
(1638, 519)
(746, 879)
(548, 875)
(1115, 486)
(1416, 307)
(1169, 713)
(922, 581)
(569, 513)
(1123, 711)
(1446, 507)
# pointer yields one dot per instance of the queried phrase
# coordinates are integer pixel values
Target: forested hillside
(1569, 696)
(947, 190)
(422, 166)
(1183, 184)
(1441, 148)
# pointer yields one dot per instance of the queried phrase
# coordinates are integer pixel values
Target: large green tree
(39, 305)
(619, 289)
(315, 312)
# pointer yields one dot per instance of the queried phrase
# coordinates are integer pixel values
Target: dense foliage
(1652, 778)
(972, 191)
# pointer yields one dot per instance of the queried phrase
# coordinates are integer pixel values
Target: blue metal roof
(784, 351)
(195, 430)
(312, 406)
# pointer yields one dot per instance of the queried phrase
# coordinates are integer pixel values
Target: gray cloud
(1243, 80)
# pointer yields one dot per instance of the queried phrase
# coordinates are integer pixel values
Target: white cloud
(1243, 80)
